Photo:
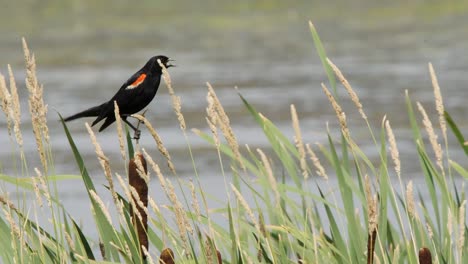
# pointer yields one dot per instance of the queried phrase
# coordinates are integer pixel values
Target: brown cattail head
(167, 256)
(425, 256)
(141, 187)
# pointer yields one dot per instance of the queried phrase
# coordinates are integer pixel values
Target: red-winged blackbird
(134, 95)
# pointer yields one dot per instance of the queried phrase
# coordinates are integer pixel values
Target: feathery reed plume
(139, 196)
(319, 169)
(270, 176)
(461, 230)
(6, 102)
(210, 250)
(425, 256)
(339, 113)
(393, 148)
(246, 206)
(438, 152)
(212, 119)
(372, 214)
(181, 218)
(450, 223)
(224, 125)
(438, 101)
(147, 255)
(16, 108)
(410, 200)
(299, 143)
(175, 99)
(167, 256)
(349, 89)
(43, 187)
(37, 108)
(103, 161)
(69, 240)
(99, 201)
(120, 133)
(37, 191)
(158, 140)
(430, 233)
(195, 204)
(157, 170)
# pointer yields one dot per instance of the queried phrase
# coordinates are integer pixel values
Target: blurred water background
(86, 49)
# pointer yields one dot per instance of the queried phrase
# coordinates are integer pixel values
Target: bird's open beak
(168, 64)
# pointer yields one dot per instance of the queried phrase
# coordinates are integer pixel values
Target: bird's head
(166, 61)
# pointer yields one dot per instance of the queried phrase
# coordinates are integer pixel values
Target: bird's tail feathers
(93, 111)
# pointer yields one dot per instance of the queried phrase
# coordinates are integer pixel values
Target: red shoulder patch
(137, 82)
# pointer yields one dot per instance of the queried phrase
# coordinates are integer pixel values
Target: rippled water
(84, 53)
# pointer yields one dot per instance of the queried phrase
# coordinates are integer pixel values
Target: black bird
(134, 95)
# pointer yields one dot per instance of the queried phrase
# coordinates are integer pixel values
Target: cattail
(138, 181)
(432, 137)
(167, 256)
(158, 140)
(320, 170)
(299, 143)
(348, 88)
(425, 256)
(339, 113)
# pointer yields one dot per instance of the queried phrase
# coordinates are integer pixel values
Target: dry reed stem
(224, 125)
(438, 102)
(319, 169)
(120, 133)
(158, 140)
(176, 104)
(246, 206)
(438, 152)
(349, 89)
(394, 153)
(339, 113)
(299, 143)
(37, 108)
(270, 176)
